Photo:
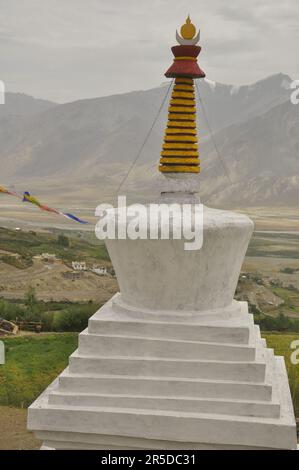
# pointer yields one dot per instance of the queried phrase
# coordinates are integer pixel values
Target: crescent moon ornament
(187, 42)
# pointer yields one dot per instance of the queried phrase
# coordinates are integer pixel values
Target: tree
(63, 240)
(30, 298)
(32, 304)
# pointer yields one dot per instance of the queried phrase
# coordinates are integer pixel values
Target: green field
(33, 362)
(278, 245)
(31, 243)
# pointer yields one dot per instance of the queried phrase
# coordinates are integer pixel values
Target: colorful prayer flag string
(11, 193)
(26, 197)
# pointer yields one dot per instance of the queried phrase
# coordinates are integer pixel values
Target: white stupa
(173, 361)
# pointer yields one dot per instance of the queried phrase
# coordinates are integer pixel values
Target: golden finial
(188, 29)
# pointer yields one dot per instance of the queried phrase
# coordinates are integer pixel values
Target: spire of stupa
(180, 148)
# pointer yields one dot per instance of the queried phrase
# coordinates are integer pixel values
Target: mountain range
(82, 151)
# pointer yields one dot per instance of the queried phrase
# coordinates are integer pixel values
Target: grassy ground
(32, 363)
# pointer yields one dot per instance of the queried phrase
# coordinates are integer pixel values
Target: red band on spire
(187, 67)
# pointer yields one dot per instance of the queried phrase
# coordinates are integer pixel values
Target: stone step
(235, 312)
(102, 345)
(192, 405)
(161, 367)
(167, 425)
(170, 330)
(164, 386)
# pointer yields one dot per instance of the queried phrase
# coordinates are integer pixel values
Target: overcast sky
(64, 50)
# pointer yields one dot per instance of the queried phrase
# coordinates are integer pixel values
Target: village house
(79, 265)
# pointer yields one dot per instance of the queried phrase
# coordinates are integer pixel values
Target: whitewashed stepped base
(163, 380)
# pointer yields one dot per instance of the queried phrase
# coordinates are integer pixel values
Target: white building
(102, 271)
(79, 265)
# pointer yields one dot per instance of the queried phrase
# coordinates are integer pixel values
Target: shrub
(62, 240)
(70, 320)
(288, 270)
(47, 320)
(280, 323)
(10, 311)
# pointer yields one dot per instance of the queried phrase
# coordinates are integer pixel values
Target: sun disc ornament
(188, 35)
(188, 29)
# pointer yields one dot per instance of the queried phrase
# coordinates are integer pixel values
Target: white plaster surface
(172, 362)
(160, 274)
(177, 183)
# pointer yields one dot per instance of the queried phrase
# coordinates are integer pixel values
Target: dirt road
(13, 431)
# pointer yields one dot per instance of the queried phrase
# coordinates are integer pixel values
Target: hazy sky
(71, 49)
